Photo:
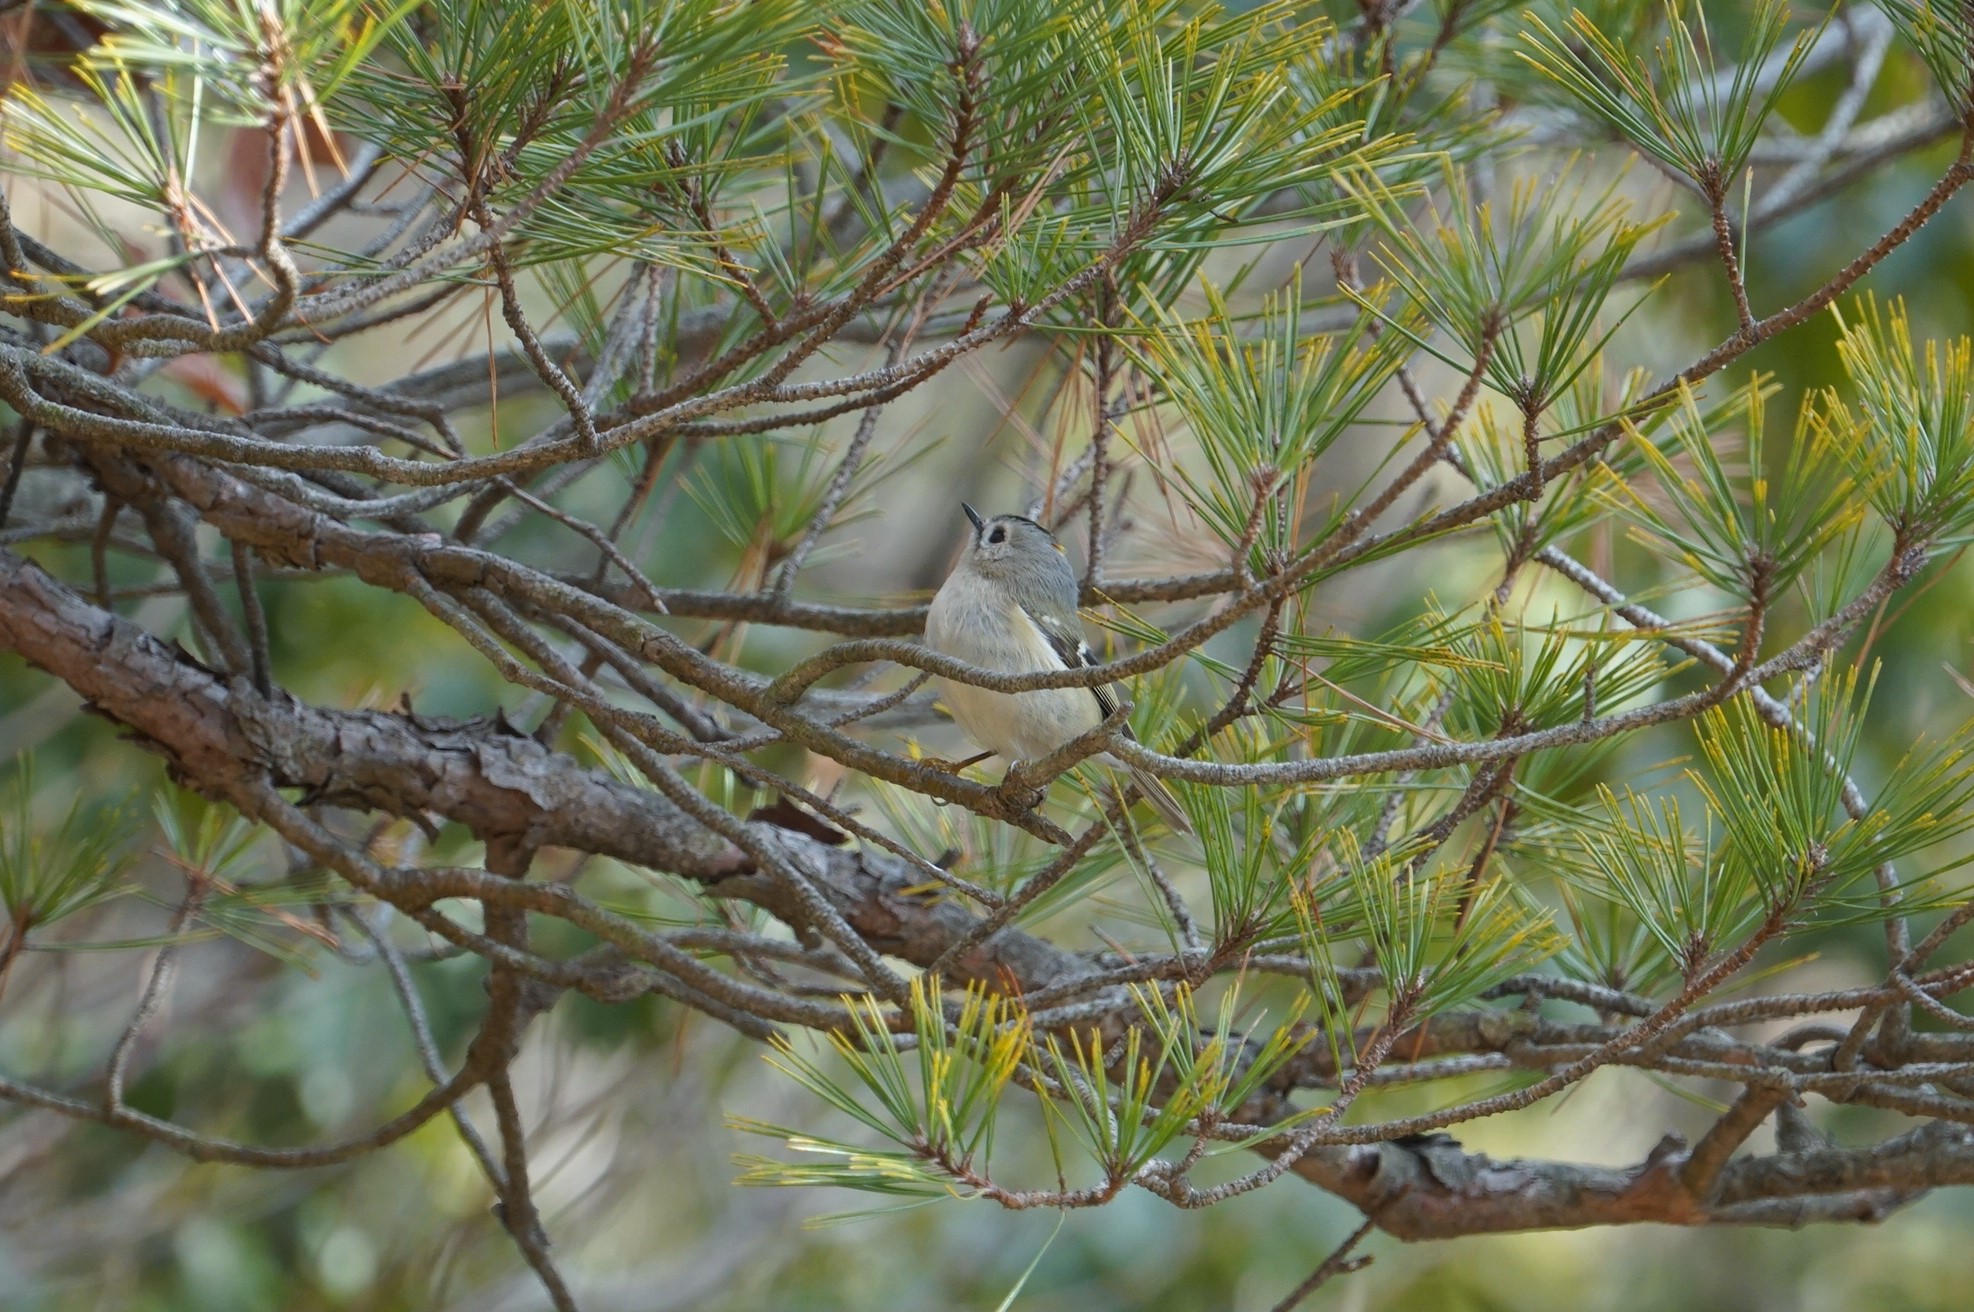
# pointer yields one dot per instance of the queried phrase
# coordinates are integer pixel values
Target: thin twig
(1338, 1263)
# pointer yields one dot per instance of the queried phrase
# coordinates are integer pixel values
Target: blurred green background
(633, 1158)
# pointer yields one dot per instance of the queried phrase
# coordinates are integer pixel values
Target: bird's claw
(1017, 791)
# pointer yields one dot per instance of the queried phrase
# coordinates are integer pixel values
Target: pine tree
(496, 455)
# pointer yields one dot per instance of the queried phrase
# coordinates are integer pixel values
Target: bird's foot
(1016, 790)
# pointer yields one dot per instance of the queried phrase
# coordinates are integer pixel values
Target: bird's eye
(998, 535)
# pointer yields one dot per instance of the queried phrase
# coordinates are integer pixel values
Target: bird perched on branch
(1010, 606)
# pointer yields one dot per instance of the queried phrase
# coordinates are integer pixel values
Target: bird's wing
(1065, 639)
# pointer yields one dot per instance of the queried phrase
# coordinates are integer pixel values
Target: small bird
(1010, 605)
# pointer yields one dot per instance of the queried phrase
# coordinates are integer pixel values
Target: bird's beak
(974, 515)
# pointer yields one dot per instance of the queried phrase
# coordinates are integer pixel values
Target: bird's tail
(1162, 800)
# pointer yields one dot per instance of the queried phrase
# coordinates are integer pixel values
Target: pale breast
(964, 624)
